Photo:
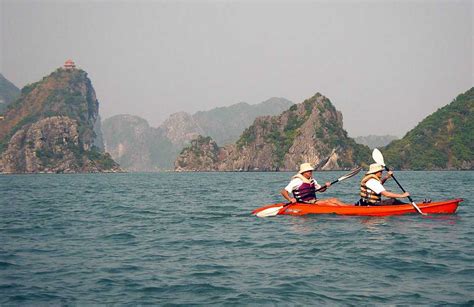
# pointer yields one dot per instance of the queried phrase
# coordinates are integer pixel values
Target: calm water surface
(182, 238)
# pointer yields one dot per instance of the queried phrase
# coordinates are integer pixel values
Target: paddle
(378, 158)
(274, 210)
(322, 163)
(271, 210)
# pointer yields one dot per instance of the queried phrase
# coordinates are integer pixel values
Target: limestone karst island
(54, 126)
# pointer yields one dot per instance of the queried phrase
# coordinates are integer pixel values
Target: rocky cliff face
(50, 128)
(307, 132)
(443, 140)
(180, 128)
(139, 147)
(223, 124)
(136, 146)
(203, 154)
(226, 124)
(99, 137)
(52, 145)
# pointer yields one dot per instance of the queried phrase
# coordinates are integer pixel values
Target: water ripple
(128, 239)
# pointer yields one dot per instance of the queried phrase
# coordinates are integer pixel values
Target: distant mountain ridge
(443, 140)
(375, 141)
(139, 147)
(50, 128)
(8, 93)
(306, 132)
(225, 124)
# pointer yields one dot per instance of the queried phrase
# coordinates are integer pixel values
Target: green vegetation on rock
(67, 93)
(201, 154)
(443, 140)
(139, 147)
(306, 132)
(225, 124)
(50, 127)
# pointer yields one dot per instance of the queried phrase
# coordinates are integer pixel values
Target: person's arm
(287, 190)
(390, 173)
(287, 196)
(378, 188)
(324, 187)
(394, 195)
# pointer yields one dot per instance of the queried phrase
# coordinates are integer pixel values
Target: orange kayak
(438, 207)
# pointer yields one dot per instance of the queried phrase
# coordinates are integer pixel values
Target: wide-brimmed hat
(305, 167)
(375, 168)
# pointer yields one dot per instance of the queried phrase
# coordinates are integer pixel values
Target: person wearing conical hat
(372, 189)
(303, 187)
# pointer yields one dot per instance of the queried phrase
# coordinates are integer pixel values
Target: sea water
(189, 238)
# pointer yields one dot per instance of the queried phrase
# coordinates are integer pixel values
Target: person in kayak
(372, 189)
(303, 187)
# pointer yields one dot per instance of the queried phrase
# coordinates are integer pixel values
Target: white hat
(305, 167)
(375, 168)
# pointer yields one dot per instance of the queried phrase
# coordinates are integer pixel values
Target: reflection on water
(372, 222)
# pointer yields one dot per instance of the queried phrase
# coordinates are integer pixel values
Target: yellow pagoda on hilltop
(69, 64)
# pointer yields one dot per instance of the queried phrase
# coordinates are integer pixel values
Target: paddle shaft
(276, 210)
(409, 197)
(324, 186)
(335, 181)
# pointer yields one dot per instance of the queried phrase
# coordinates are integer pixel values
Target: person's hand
(389, 174)
(406, 194)
(328, 184)
(292, 200)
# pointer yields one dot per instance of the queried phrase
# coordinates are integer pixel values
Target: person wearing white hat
(303, 187)
(372, 189)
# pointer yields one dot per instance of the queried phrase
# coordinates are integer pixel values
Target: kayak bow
(439, 207)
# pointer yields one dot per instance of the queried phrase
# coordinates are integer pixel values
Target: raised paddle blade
(269, 212)
(322, 163)
(354, 172)
(346, 176)
(378, 157)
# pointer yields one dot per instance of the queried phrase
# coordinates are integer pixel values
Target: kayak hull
(439, 207)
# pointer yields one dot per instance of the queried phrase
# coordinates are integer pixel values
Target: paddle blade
(417, 208)
(321, 163)
(269, 212)
(378, 157)
(351, 174)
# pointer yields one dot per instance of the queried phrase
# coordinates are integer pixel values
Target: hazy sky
(384, 64)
